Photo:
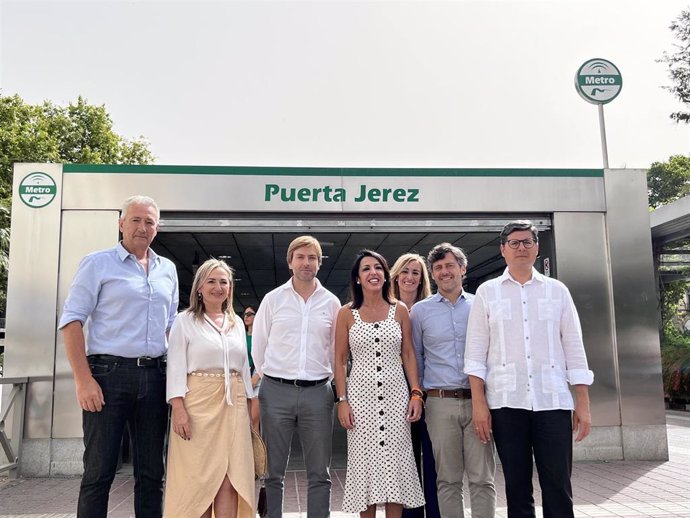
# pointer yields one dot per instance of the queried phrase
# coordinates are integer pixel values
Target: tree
(678, 64)
(668, 181)
(76, 133)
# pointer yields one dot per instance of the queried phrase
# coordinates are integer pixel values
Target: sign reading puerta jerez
(327, 193)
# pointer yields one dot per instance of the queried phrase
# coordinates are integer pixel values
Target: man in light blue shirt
(128, 295)
(439, 326)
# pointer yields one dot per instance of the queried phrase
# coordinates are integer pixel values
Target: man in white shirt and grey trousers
(524, 346)
(293, 346)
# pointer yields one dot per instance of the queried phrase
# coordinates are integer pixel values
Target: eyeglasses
(515, 243)
(249, 314)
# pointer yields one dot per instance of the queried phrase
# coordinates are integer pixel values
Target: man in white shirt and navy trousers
(524, 346)
(293, 346)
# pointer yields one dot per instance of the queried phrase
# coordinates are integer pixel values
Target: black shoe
(261, 506)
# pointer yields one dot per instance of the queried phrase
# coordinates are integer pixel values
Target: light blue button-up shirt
(128, 311)
(439, 329)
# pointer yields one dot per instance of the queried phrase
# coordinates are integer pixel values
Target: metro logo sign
(598, 81)
(37, 190)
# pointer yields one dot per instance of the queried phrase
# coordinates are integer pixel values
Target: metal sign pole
(598, 81)
(602, 130)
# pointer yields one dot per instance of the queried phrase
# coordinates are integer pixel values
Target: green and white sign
(598, 81)
(37, 190)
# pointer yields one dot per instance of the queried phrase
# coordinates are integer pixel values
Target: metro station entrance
(258, 257)
(594, 237)
(256, 247)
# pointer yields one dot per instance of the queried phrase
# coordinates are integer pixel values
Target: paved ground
(601, 489)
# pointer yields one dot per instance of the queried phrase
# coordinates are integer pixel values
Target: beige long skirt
(220, 445)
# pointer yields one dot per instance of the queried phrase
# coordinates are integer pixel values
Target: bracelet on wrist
(341, 399)
(417, 391)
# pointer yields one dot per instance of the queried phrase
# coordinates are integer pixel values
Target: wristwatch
(341, 399)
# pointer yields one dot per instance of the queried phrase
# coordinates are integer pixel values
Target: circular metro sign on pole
(598, 81)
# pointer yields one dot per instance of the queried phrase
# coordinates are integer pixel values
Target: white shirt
(525, 342)
(294, 339)
(199, 345)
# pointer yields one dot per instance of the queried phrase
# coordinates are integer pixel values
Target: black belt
(142, 361)
(461, 393)
(298, 383)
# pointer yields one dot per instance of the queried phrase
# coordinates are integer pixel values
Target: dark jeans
(134, 396)
(548, 435)
(426, 467)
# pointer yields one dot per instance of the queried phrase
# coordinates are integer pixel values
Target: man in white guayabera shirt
(524, 346)
(293, 346)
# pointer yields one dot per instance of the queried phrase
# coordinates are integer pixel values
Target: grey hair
(139, 199)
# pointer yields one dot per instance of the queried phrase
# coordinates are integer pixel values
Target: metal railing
(16, 403)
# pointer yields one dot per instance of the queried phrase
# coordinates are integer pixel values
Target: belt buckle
(145, 358)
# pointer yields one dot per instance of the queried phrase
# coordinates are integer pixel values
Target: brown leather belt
(462, 393)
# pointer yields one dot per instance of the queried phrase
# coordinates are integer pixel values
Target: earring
(198, 296)
(358, 282)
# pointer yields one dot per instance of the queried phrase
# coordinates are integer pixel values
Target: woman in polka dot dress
(374, 404)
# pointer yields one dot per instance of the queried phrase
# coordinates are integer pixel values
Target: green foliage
(4, 249)
(76, 133)
(672, 296)
(668, 181)
(678, 64)
(675, 363)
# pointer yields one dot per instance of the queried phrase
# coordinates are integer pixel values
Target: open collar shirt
(127, 310)
(197, 344)
(293, 338)
(525, 342)
(439, 328)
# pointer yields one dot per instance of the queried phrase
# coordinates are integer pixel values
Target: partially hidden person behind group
(248, 319)
(439, 325)
(128, 295)
(410, 281)
(293, 349)
(210, 470)
(524, 346)
(254, 415)
(374, 403)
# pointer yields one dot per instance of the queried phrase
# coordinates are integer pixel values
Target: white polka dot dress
(380, 462)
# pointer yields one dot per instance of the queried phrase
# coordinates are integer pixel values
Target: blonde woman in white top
(210, 464)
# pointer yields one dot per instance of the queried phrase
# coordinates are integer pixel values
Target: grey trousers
(458, 450)
(309, 410)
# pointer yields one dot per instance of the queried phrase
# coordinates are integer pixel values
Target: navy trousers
(548, 436)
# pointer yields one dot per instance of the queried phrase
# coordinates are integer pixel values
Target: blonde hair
(301, 241)
(424, 288)
(196, 303)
